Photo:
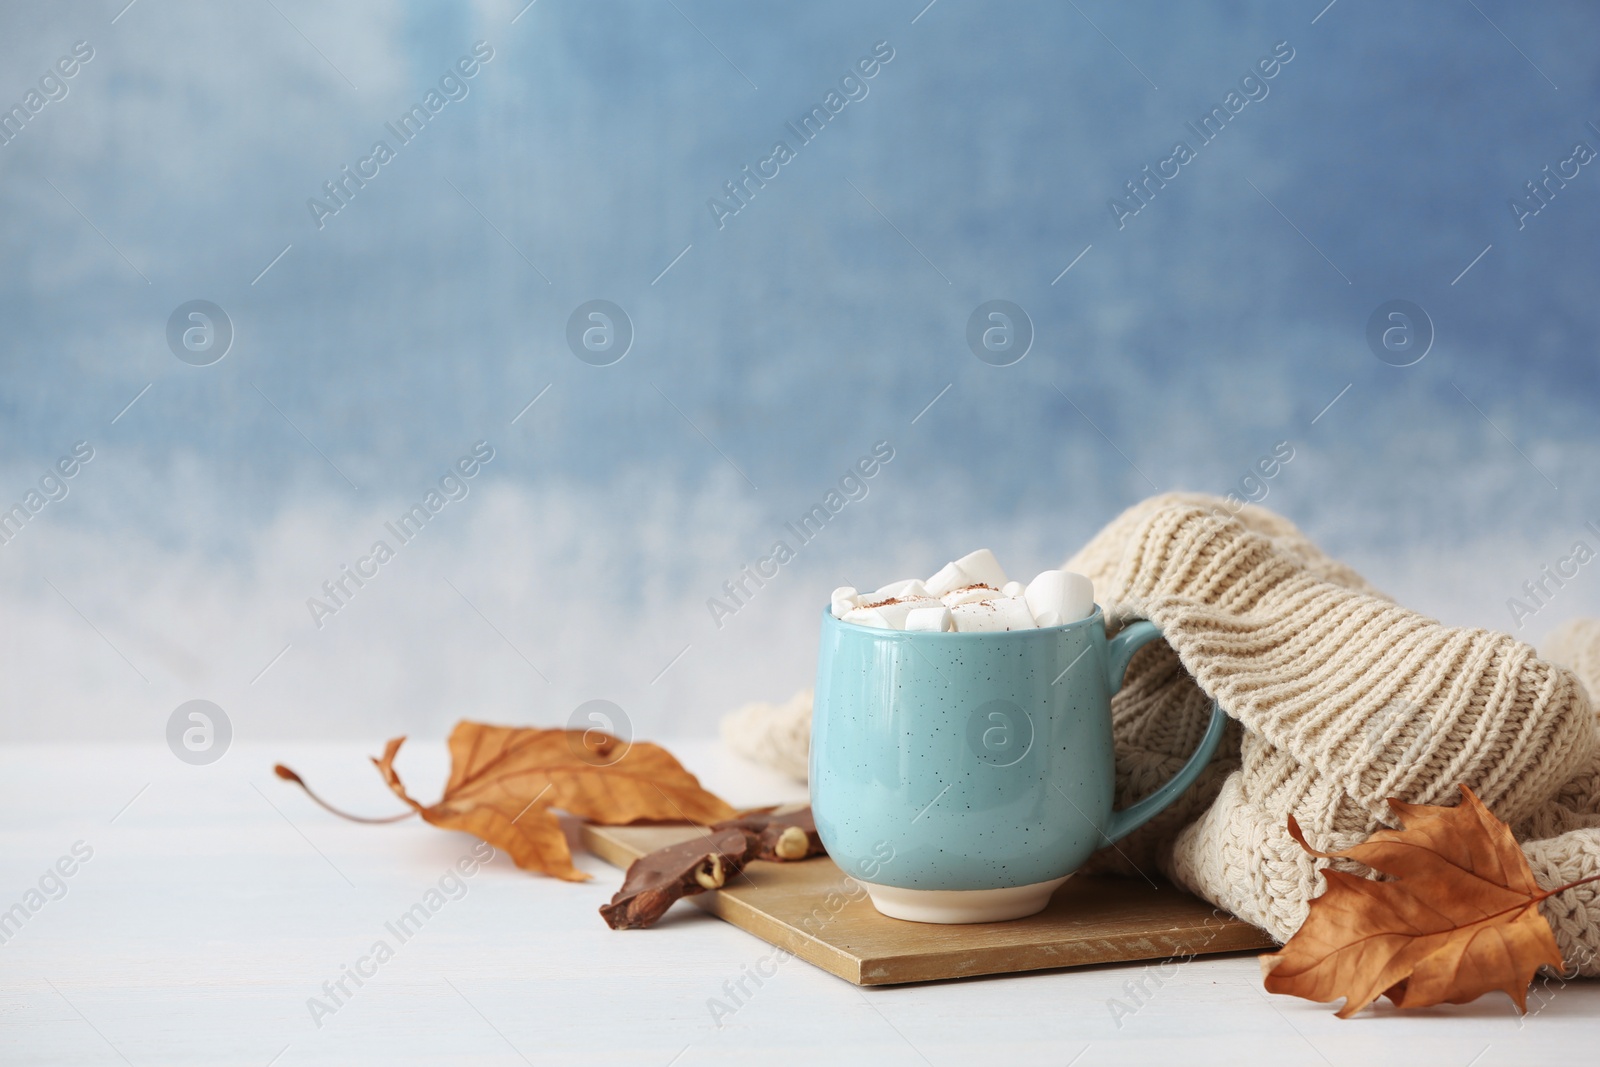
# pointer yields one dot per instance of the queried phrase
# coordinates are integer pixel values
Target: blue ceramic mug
(968, 775)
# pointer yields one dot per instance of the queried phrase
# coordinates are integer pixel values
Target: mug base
(953, 906)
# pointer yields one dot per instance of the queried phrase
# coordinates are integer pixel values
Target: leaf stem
(290, 776)
(1548, 893)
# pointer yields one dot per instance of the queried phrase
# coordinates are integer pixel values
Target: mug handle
(1129, 640)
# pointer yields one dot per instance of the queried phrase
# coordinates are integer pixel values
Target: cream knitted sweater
(1340, 699)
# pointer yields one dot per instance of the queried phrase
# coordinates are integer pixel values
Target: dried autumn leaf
(505, 780)
(1459, 918)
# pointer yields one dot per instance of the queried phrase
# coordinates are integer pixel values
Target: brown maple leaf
(505, 780)
(1459, 917)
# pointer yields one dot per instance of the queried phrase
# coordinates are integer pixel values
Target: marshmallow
(936, 620)
(983, 567)
(945, 579)
(975, 568)
(1048, 618)
(969, 595)
(844, 599)
(1069, 596)
(1013, 589)
(889, 614)
(907, 587)
(1001, 613)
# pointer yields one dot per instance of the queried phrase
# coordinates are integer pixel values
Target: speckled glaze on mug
(981, 763)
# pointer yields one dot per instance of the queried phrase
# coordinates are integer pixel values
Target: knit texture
(773, 735)
(1564, 837)
(1342, 699)
(1576, 644)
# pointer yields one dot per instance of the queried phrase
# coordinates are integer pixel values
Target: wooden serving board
(813, 910)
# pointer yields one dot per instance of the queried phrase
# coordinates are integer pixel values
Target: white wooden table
(218, 901)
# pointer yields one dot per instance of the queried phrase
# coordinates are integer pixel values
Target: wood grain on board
(813, 910)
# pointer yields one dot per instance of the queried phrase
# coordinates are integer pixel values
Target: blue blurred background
(772, 348)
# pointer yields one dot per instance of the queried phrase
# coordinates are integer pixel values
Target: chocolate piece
(785, 836)
(656, 880)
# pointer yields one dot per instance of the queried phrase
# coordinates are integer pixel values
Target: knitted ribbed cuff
(1381, 700)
